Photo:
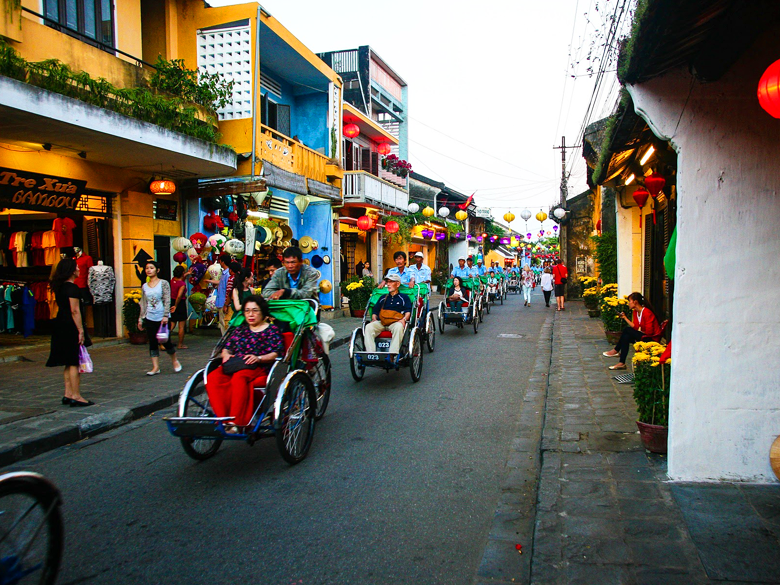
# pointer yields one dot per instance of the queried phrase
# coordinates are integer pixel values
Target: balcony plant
(358, 291)
(611, 307)
(392, 164)
(651, 394)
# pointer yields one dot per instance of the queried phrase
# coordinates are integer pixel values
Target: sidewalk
(588, 505)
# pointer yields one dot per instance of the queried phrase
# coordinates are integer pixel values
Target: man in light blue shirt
(421, 273)
(481, 270)
(405, 274)
(473, 271)
(461, 270)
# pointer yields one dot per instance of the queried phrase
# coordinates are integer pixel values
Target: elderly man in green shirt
(295, 281)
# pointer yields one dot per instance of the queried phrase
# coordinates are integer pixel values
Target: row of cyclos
(420, 331)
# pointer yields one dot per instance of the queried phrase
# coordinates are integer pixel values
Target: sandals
(623, 367)
(153, 373)
(607, 354)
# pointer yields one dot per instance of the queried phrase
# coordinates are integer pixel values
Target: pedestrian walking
(179, 312)
(561, 277)
(155, 312)
(528, 284)
(547, 285)
(643, 324)
(68, 335)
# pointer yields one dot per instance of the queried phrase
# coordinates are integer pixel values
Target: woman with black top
(68, 335)
(243, 288)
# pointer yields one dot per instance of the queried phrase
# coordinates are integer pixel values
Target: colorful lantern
(392, 227)
(541, 216)
(364, 223)
(529, 235)
(383, 148)
(413, 208)
(461, 215)
(180, 257)
(769, 90)
(234, 247)
(479, 239)
(181, 244)
(443, 211)
(217, 241)
(654, 183)
(162, 187)
(559, 212)
(428, 211)
(509, 217)
(199, 240)
(351, 130)
(441, 236)
(555, 228)
(640, 195)
(505, 241)
(427, 234)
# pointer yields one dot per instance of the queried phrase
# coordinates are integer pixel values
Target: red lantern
(654, 184)
(364, 223)
(351, 130)
(162, 187)
(383, 148)
(640, 196)
(769, 90)
(392, 227)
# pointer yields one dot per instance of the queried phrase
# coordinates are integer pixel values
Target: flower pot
(653, 437)
(138, 338)
(613, 336)
(357, 312)
(592, 304)
(593, 313)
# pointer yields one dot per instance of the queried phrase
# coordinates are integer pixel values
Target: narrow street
(401, 484)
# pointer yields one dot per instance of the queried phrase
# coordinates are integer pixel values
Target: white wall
(629, 250)
(725, 403)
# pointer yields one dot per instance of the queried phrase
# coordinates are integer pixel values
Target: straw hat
(305, 244)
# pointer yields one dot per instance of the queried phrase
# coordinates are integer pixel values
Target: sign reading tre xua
(39, 192)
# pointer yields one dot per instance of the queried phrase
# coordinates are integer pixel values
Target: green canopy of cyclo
(410, 292)
(469, 283)
(296, 313)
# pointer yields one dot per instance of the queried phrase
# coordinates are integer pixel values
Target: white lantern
(559, 212)
(259, 196)
(525, 214)
(444, 212)
(181, 244)
(413, 208)
(217, 241)
(214, 272)
(302, 202)
(234, 247)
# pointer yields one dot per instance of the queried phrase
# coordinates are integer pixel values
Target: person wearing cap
(473, 271)
(391, 313)
(420, 272)
(404, 273)
(481, 268)
(295, 281)
(461, 270)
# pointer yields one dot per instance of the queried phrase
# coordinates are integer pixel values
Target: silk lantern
(364, 223)
(541, 216)
(441, 236)
(234, 247)
(443, 212)
(180, 257)
(427, 234)
(640, 195)
(555, 228)
(302, 203)
(769, 90)
(654, 183)
(509, 217)
(162, 187)
(181, 244)
(392, 227)
(351, 130)
(413, 208)
(461, 215)
(529, 235)
(559, 212)
(383, 148)
(428, 211)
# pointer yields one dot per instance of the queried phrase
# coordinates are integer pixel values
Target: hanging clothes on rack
(101, 283)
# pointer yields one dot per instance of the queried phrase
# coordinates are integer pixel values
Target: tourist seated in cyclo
(391, 313)
(643, 326)
(247, 357)
(457, 295)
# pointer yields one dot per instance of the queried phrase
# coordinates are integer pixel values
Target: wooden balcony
(363, 187)
(289, 155)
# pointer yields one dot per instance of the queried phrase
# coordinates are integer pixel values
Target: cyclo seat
(385, 335)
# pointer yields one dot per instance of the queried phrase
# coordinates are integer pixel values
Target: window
(226, 49)
(91, 18)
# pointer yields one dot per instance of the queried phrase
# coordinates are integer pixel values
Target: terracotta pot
(653, 437)
(138, 338)
(594, 304)
(593, 313)
(357, 312)
(613, 336)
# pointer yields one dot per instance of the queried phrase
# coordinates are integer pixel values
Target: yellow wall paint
(128, 27)
(153, 24)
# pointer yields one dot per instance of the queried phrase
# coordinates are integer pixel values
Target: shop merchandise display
(101, 281)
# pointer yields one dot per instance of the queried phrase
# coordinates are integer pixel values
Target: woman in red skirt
(248, 355)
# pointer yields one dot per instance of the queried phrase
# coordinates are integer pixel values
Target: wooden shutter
(365, 159)
(648, 221)
(375, 163)
(348, 160)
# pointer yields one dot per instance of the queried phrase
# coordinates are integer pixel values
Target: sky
(490, 86)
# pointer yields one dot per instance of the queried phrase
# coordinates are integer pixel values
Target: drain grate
(624, 378)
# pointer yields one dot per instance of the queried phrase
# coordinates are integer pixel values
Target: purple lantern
(427, 234)
(458, 236)
(440, 236)
(505, 241)
(528, 235)
(469, 237)
(479, 239)
(555, 228)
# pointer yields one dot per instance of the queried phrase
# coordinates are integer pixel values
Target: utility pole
(563, 237)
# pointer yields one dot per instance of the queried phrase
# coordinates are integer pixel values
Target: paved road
(400, 486)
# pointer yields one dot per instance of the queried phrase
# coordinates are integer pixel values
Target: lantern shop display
(640, 195)
(180, 257)
(234, 247)
(769, 90)
(181, 244)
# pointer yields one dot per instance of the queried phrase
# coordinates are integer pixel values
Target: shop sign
(39, 192)
(483, 212)
(166, 209)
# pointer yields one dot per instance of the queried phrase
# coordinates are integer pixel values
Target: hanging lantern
(505, 241)
(428, 211)
(461, 215)
(769, 90)
(383, 148)
(364, 223)
(162, 187)
(654, 183)
(559, 212)
(440, 236)
(479, 239)
(413, 208)
(541, 216)
(525, 214)
(180, 257)
(640, 195)
(181, 244)
(351, 130)
(443, 211)
(541, 233)
(234, 247)
(259, 196)
(302, 202)
(392, 227)
(509, 217)
(427, 234)
(529, 235)
(555, 228)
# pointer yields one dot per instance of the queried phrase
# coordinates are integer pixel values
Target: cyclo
(493, 292)
(420, 329)
(513, 284)
(471, 314)
(286, 403)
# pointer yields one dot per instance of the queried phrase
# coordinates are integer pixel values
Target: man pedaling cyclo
(391, 313)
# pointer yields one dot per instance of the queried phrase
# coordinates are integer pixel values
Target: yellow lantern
(461, 215)
(541, 216)
(509, 217)
(428, 211)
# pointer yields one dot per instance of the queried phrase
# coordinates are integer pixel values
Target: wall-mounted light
(162, 187)
(630, 179)
(647, 155)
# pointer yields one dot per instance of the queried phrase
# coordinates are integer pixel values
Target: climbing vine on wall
(606, 256)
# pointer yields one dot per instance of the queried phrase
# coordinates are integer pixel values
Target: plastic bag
(85, 362)
(163, 333)
(211, 301)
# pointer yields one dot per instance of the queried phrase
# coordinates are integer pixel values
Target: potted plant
(591, 298)
(131, 311)
(611, 307)
(651, 394)
(358, 291)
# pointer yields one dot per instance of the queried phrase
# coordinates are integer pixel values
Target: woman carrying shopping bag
(155, 312)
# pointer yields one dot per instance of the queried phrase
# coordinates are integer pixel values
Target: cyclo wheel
(416, 358)
(475, 320)
(321, 378)
(294, 428)
(440, 317)
(197, 404)
(357, 370)
(31, 533)
(481, 310)
(430, 338)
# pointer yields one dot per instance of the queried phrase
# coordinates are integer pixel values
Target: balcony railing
(290, 155)
(363, 187)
